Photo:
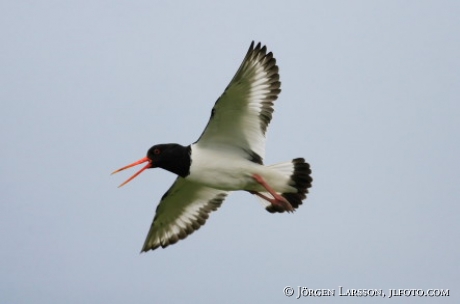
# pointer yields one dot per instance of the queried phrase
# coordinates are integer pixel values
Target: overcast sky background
(370, 97)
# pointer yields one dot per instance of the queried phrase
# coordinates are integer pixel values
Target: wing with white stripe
(184, 208)
(242, 114)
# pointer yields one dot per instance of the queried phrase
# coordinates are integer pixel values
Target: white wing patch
(242, 114)
(184, 208)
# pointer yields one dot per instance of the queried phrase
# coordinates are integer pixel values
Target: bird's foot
(277, 199)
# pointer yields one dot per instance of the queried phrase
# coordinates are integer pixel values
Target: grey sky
(370, 97)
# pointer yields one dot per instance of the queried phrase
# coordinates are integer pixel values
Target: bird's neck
(180, 161)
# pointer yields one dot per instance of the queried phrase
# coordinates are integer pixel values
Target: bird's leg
(277, 199)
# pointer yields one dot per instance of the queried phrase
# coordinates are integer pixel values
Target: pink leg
(277, 199)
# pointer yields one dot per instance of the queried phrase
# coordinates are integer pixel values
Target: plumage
(241, 115)
(228, 156)
(183, 209)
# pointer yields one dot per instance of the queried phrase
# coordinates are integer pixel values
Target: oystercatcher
(227, 157)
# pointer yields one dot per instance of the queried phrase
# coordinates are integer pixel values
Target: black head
(161, 154)
(172, 157)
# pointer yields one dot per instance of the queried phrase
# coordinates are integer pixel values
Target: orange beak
(140, 161)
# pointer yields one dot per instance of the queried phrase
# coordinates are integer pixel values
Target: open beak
(140, 161)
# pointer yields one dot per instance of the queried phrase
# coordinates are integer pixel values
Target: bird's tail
(298, 173)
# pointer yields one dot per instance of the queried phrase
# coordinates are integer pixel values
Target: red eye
(156, 151)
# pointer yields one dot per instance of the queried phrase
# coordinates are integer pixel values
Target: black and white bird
(228, 156)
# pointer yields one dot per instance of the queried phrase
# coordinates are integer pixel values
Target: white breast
(220, 168)
(224, 168)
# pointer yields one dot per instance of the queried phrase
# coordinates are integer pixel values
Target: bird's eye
(156, 151)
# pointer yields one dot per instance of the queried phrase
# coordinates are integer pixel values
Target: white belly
(219, 170)
(226, 170)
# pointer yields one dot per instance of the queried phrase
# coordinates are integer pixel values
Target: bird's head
(159, 156)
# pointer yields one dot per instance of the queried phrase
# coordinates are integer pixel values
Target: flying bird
(228, 156)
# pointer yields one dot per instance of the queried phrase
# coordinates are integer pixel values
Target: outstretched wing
(184, 208)
(242, 114)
